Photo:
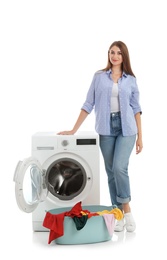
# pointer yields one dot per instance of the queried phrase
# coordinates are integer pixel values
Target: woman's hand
(139, 145)
(71, 132)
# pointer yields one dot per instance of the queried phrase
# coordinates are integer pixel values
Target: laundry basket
(95, 230)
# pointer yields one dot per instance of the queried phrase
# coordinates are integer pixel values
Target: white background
(49, 51)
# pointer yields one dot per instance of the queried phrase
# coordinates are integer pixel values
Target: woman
(114, 95)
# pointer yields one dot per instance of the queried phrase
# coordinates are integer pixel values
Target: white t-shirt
(115, 107)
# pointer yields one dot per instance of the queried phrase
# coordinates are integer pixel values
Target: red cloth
(75, 211)
(55, 222)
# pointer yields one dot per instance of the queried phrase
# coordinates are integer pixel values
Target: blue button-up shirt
(99, 99)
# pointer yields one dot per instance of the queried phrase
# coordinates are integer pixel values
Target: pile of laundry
(55, 222)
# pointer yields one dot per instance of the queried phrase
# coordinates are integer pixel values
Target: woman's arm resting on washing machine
(82, 116)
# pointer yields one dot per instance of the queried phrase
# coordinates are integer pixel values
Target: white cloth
(115, 107)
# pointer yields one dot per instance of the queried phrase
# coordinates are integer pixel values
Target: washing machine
(61, 171)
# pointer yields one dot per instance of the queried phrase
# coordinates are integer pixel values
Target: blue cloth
(99, 98)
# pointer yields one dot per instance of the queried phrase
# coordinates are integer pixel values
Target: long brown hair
(126, 66)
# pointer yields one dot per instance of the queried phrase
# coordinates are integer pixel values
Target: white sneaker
(119, 225)
(129, 222)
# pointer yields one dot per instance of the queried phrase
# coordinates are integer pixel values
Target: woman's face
(115, 56)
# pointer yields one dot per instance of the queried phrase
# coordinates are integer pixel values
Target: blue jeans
(116, 150)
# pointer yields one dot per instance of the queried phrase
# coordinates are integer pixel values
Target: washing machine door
(30, 188)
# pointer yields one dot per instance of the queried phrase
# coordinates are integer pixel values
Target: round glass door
(30, 185)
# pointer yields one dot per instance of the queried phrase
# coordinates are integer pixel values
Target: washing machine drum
(65, 179)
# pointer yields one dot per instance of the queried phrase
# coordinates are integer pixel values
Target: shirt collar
(110, 71)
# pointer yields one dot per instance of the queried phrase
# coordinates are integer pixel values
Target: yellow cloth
(84, 213)
(117, 213)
